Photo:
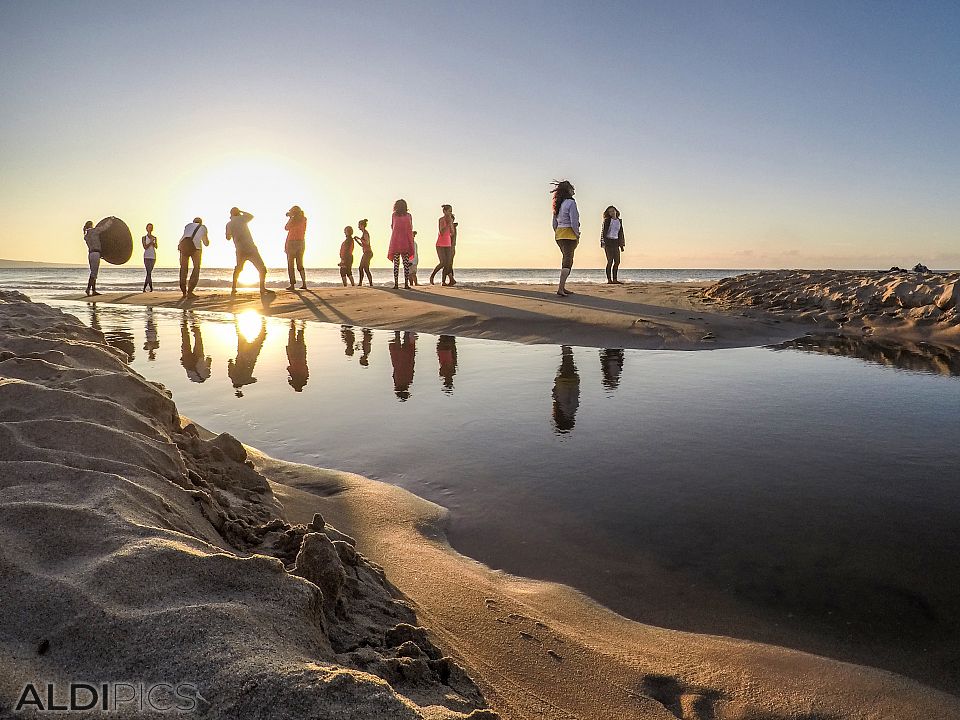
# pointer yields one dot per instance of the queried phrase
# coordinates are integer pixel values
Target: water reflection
(402, 355)
(240, 370)
(192, 356)
(151, 336)
(566, 392)
(349, 338)
(917, 357)
(297, 370)
(117, 337)
(611, 365)
(366, 343)
(447, 359)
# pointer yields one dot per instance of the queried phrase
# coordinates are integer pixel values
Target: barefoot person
(401, 243)
(414, 261)
(190, 248)
(149, 256)
(611, 240)
(367, 252)
(445, 227)
(91, 236)
(346, 256)
(238, 231)
(295, 245)
(566, 229)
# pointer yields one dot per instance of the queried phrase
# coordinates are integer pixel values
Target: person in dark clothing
(611, 240)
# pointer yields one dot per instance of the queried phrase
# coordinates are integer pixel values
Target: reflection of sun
(249, 324)
(249, 275)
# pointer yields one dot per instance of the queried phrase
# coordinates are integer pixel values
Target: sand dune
(907, 305)
(132, 550)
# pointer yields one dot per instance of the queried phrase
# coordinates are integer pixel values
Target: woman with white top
(149, 256)
(566, 229)
(611, 240)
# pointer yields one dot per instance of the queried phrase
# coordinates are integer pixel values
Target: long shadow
(320, 314)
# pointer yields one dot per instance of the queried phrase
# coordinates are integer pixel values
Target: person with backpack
(190, 248)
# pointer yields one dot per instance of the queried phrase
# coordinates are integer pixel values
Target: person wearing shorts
(566, 229)
(239, 232)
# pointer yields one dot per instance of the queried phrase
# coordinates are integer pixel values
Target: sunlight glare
(249, 324)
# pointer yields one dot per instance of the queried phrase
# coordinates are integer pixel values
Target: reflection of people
(401, 243)
(366, 344)
(295, 245)
(95, 317)
(402, 356)
(447, 357)
(297, 358)
(91, 236)
(349, 339)
(446, 226)
(149, 242)
(367, 251)
(611, 365)
(192, 357)
(566, 229)
(238, 230)
(240, 370)
(152, 337)
(190, 248)
(346, 256)
(566, 392)
(611, 240)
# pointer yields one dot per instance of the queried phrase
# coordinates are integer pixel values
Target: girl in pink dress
(401, 243)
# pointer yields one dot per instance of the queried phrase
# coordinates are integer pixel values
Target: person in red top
(296, 228)
(346, 256)
(401, 243)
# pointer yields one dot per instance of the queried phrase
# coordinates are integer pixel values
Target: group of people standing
(566, 232)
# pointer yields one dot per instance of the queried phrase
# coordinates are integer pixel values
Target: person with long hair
(566, 229)
(446, 228)
(295, 245)
(367, 252)
(611, 240)
(149, 242)
(401, 243)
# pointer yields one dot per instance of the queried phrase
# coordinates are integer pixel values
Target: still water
(806, 495)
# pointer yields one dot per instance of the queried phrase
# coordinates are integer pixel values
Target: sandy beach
(137, 545)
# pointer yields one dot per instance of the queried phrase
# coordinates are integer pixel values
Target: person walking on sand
(367, 252)
(238, 231)
(566, 229)
(190, 248)
(611, 240)
(295, 245)
(446, 227)
(346, 256)
(91, 236)
(401, 243)
(149, 256)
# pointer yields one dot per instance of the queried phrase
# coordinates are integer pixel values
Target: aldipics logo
(180, 698)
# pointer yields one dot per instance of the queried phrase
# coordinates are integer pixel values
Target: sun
(263, 184)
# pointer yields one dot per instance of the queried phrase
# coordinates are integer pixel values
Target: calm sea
(805, 495)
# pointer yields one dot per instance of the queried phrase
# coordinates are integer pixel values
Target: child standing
(401, 243)
(367, 252)
(413, 261)
(346, 256)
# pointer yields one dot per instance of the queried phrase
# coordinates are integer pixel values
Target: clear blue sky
(740, 134)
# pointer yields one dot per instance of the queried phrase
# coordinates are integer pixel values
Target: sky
(729, 134)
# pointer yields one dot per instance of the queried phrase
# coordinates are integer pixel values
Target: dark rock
(319, 562)
(230, 446)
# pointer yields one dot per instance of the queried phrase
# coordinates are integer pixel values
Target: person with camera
(190, 248)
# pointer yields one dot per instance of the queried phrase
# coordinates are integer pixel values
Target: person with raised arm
(239, 232)
(91, 236)
(367, 252)
(295, 245)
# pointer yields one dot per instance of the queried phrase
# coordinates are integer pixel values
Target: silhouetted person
(611, 365)
(149, 242)
(192, 357)
(446, 229)
(346, 256)
(349, 340)
(152, 336)
(190, 248)
(240, 370)
(566, 392)
(366, 344)
(296, 245)
(402, 356)
(612, 242)
(91, 236)
(447, 358)
(366, 252)
(238, 230)
(566, 229)
(401, 242)
(297, 358)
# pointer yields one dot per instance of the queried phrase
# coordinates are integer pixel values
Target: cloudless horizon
(738, 134)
